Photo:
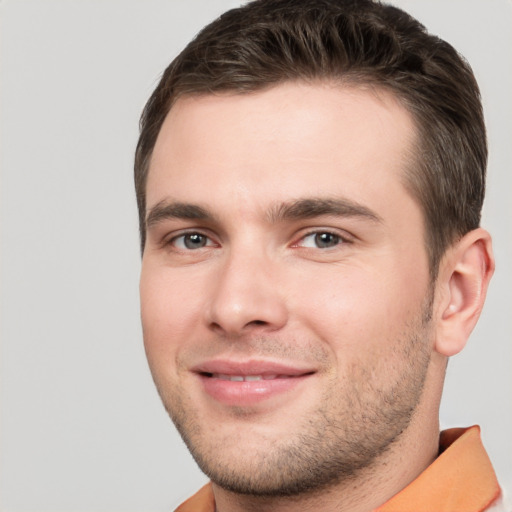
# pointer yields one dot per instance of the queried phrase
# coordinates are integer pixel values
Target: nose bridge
(246, 294)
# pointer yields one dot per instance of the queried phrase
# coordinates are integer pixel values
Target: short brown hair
(267, 42)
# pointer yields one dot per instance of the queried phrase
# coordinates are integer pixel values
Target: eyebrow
(165, 210)
(299, 209)
(315, 207)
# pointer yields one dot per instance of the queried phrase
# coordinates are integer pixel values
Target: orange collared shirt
(461, 479)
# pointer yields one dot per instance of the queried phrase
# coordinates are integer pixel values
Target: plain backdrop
(81, 426)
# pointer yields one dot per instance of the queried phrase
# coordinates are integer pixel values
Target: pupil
(326, 240)
(194, 241)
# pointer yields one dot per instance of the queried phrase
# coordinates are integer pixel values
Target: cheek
(357, 306)
(170, 312)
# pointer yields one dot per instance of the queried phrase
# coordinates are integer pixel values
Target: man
(309, 176)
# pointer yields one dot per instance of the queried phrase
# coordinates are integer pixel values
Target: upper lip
(250, 367)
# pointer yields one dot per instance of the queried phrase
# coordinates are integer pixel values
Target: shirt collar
(461, 478)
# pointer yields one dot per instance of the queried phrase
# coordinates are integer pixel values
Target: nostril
(234, 313)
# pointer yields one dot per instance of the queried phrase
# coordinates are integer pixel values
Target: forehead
(282, 141)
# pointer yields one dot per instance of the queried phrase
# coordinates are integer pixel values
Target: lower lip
(246, 393)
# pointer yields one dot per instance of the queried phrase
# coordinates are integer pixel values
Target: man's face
(285, 287)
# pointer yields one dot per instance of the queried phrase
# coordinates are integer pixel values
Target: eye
(191, 241)
(321, 240)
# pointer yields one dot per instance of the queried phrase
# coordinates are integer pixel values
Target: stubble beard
(356, 422)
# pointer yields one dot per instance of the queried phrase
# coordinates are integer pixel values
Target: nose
(246, 296)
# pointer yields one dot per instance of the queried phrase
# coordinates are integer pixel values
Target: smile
(244, 384)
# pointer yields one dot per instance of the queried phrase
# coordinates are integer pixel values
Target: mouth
(249, 383)
(248, 378)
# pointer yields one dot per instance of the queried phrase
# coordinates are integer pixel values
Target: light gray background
(82, 428)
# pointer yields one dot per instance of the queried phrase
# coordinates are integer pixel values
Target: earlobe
(463, 279)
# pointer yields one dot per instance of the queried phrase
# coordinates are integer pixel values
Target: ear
(463, 278)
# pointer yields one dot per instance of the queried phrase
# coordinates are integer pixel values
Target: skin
(242, 274)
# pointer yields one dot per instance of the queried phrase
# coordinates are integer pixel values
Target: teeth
(234, 378)
(253, 377)
(241, 378)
